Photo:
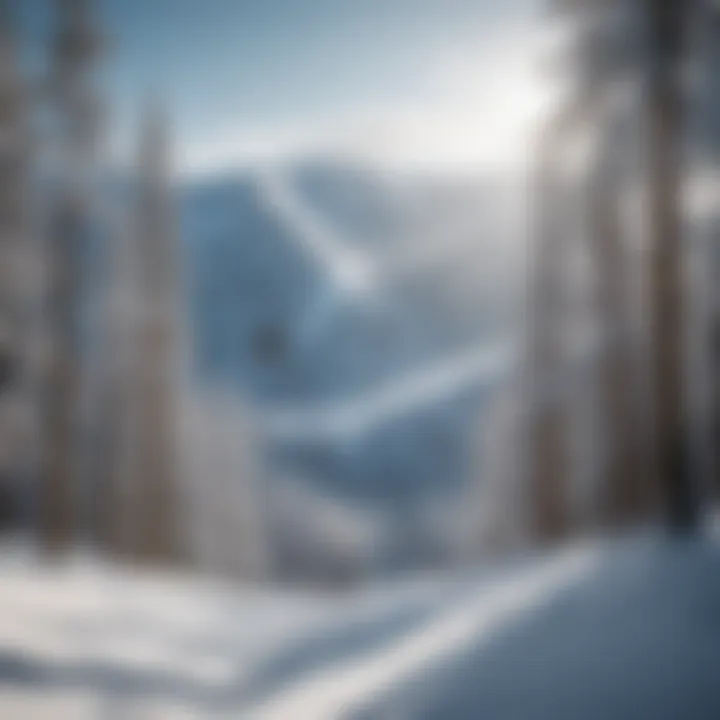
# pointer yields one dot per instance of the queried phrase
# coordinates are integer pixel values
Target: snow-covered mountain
(313, 281)
(368, 318)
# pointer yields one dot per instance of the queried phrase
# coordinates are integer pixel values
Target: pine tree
(548, 463)
(704, 124)
(611, 50)
(14, 280)
(76, 113)
(150, 518)
(667, 21)
(547, 467)
(622, 46)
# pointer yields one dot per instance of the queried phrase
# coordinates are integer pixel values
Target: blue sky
(264, 74)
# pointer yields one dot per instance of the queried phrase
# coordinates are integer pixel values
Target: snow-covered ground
(625, 629)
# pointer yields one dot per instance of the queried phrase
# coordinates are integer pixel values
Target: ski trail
(352, 418)
(338, 692)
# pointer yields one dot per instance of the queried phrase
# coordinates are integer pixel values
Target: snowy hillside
(627, 630)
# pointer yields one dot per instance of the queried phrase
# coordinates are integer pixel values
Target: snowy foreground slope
(619, 630)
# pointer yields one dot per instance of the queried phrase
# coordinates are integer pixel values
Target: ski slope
(622, 629)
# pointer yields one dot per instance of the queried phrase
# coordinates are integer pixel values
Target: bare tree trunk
(151, 510)
(665, 118)
(76, 112)
(14, 282)
(548, 472)
(626, 495)
(707, 109)
(58, 493)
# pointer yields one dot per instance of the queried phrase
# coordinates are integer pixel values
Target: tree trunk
(665, 117)
(548, 472)
(626, 495)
